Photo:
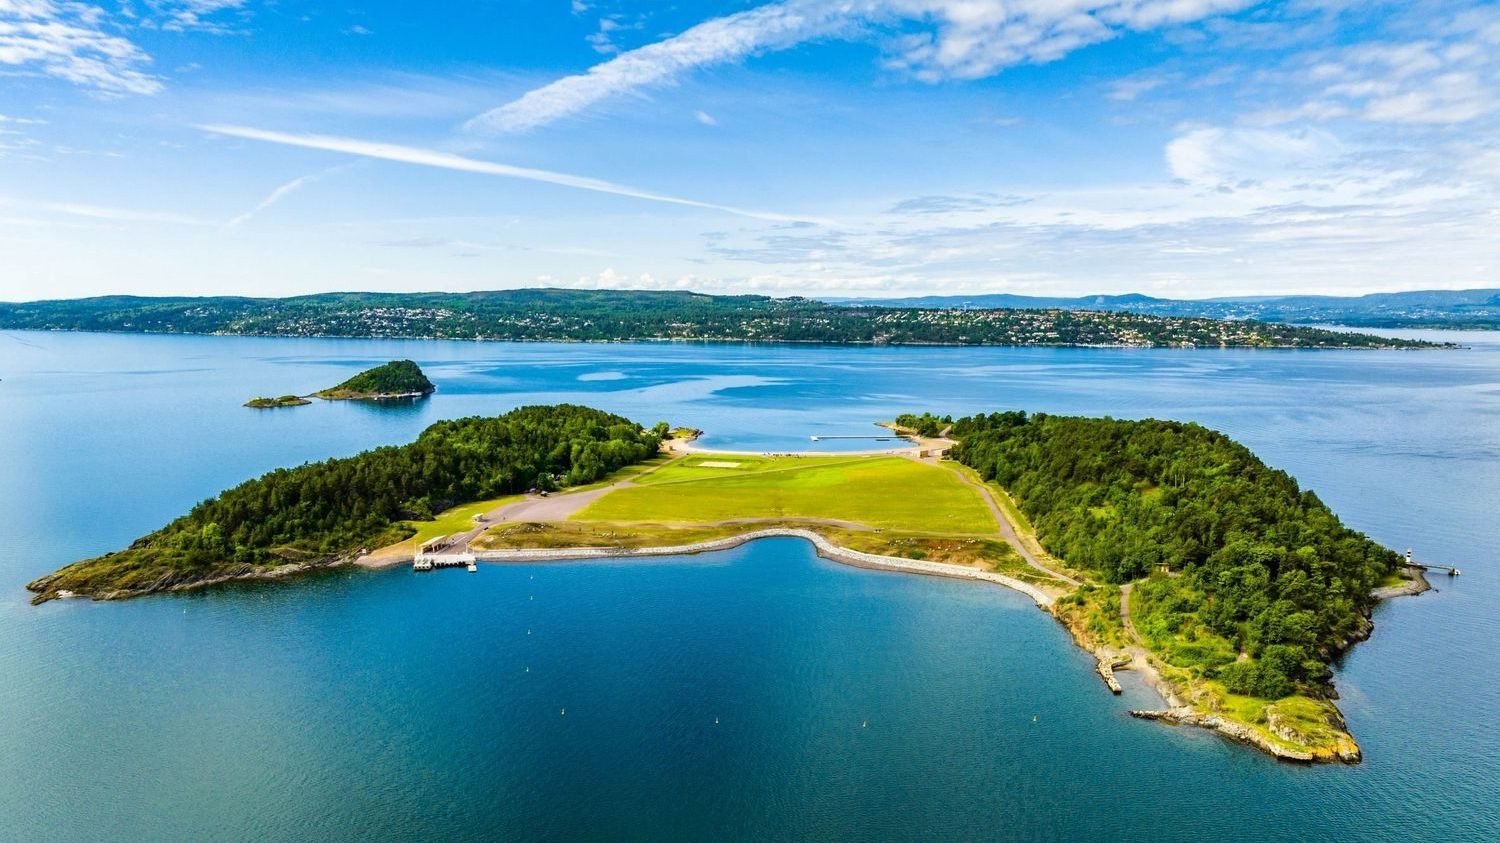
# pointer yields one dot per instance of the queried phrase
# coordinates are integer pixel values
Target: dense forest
(333, 508)
(398, 377)
(600, 315)
(1254, 561)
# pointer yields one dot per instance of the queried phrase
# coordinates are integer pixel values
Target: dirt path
(553, 507)
(1008, 530)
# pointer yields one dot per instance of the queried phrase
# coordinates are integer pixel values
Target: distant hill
(612, 315)
(1472, 309)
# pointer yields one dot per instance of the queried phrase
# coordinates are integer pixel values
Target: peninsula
(1162, 547)
(619, 315)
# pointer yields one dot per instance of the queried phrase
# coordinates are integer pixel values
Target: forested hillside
(599, 315)
(1257, 565)
(328, 509)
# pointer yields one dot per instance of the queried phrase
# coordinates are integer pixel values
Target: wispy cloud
(275, 196)
(449, 161)
(930, 40)
(68, 40)
(193, 15)
(720, 40)
(104, 212)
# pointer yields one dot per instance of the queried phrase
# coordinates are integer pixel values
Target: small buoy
(564, 713)
(533, 597)
(1033, 718)
(716, 721)
(865, 725)
(528, 668)
(528, 632)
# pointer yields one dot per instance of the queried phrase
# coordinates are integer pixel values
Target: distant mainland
(621, 315)
(1163, 547)
(397, 379)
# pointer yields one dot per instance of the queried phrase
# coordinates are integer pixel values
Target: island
(264, 403)
(1162, 547)
(394, 380)
(621, 315)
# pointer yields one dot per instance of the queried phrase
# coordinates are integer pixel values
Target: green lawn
(884, 492)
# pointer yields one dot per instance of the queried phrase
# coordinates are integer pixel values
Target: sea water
(756, 694)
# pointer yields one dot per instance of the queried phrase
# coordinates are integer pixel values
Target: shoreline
(1184, 702)
(825, 549)
(741, 341)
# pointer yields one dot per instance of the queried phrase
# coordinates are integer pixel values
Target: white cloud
(705, 118)
(1212, 157)
(68, 40)
(1449, 76)
(720, 40)
(449, 161)
(954, 39)
(1128, 90)
(196, 15)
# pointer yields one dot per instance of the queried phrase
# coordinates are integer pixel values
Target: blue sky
(1183, 148)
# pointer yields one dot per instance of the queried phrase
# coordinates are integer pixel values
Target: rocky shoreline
(1345, 750)
(1180, 713)
(243, 573)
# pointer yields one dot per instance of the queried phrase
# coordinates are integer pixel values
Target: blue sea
(759, 694)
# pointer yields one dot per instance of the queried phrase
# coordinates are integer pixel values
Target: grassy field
(883, 492)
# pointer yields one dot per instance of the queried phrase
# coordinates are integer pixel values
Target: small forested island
(264, 403)
(618, 315)
(1161, 546)
(396, 379)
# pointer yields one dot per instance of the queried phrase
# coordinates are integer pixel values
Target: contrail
(449, 161)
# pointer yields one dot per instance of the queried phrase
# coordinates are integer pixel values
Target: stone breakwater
(824, 547)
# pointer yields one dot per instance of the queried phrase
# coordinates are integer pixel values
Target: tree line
(1258, 560)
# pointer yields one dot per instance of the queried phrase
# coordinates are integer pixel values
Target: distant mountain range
(1475, 309)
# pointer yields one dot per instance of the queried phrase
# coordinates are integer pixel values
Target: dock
(433, 561)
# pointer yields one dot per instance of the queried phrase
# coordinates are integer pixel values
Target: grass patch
(1092, 614)
(570, 534)
(1162, 610)
(885, 492)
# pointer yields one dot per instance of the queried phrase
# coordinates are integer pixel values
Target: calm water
(849, 704)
